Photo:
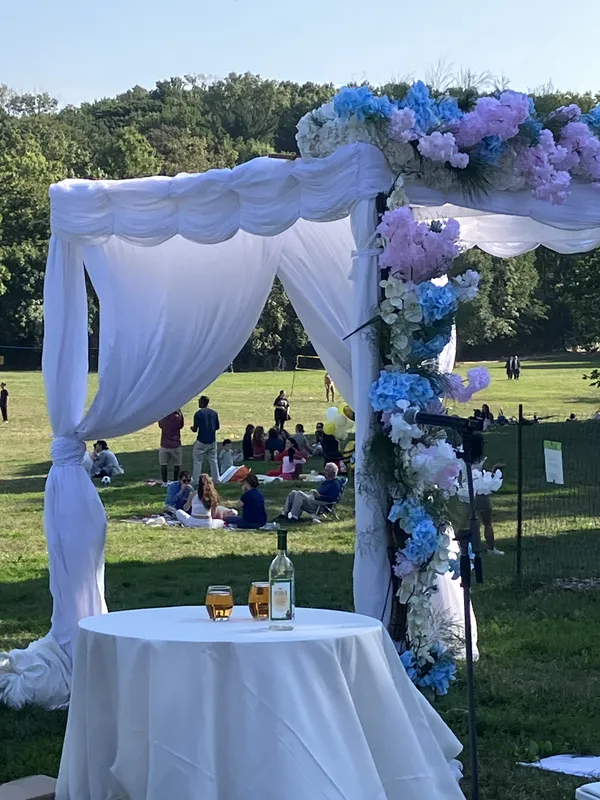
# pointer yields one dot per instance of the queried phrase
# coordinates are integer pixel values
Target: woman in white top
(290, 462)
(203, 505)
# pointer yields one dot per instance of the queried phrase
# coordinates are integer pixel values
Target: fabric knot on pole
(67, 451)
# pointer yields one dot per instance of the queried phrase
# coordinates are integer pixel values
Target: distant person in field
(329, 492)
(275, 443)
(200, 510)
(571, 418)
(247, 451)
(483, 502)
(291, 463)
(487, 416)
(105, 462)
(225, 456)
(258, 443)
(509, 369)
(4, 402)
(302, 441)
(282, 410)
(254, 511)
(206, 424)
(329, 388)
(170, 452)
(516, 367)
(178, 493)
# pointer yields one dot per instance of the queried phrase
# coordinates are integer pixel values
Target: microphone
(462, 424)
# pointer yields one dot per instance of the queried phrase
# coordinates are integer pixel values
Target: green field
(539, 671)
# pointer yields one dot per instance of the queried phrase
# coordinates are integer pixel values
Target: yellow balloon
(329, 428)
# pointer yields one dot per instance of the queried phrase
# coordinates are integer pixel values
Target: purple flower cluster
(478, 378)
(493, 116)
(582, 150)
(414, 251)
(538, 165)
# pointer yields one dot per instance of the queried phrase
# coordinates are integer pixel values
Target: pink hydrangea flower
(402, 127)
(493, 117)
(442, 147)
(413, 251)
(537, 164)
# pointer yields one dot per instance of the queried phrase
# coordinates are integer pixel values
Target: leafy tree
(506, 305)
(130, 155)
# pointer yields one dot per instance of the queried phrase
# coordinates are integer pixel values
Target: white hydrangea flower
(484, 482)
(402, 433)
(466, 286)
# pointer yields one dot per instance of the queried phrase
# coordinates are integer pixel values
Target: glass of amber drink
(219, 602)
(258, 600)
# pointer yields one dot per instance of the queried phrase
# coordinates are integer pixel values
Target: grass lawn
(538, 677)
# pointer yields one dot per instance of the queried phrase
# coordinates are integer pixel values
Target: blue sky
(79, 50)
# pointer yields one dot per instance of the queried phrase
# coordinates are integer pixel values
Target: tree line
(539, 301)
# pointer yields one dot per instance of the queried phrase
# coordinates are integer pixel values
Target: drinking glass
(219, 602)
(258, 600)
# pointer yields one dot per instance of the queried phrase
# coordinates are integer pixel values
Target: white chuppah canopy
(182, 267)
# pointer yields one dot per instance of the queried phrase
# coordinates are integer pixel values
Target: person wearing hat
(105, 462)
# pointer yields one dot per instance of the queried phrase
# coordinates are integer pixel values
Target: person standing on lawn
(206, 424)
(4, 402)
(170, 452)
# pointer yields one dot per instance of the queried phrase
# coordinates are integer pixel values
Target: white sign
(554, 462)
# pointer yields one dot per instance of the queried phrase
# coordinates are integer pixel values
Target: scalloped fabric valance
(267, 196)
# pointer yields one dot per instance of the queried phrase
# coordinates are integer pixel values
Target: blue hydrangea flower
(423, 543)
(424, 106)
(490, 150)
(439, 676)
(592, 119)
(436, 301)
(394, 386)
(408, 660)
(448, 110)
(422, 351)
(362, 103)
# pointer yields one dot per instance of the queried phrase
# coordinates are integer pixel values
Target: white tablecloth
(166, 704)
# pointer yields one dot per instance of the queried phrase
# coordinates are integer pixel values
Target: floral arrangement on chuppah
(495, 143)
(436, 142)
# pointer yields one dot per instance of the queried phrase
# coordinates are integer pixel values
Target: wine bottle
(281, 588)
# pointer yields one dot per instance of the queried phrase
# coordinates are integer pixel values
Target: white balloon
(331, 414)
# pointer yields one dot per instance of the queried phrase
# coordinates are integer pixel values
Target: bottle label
(281, 594)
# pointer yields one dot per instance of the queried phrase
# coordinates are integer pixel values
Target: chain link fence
(558, 523)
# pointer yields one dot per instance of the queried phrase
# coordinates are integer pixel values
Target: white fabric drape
(315, 266)
(167, 330)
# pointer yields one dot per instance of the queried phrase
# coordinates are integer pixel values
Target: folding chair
(330, 509)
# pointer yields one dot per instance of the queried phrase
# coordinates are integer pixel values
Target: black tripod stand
(470, 538)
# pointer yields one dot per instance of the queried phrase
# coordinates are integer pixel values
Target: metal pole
(519, 557)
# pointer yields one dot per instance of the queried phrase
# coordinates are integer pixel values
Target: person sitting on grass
(254, 512)
(331, 449)
(178, 493)
(329, 492)
(225, 456)
(247, 451)
(274, 443)
(106, 464)
(318, 445)
(203, 505)
(291, 463)
(302, 441)
(258, 443)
